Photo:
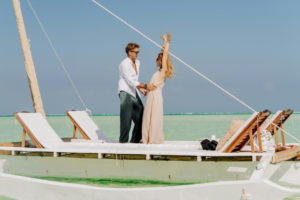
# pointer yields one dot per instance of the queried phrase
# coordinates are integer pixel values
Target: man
(131, 108)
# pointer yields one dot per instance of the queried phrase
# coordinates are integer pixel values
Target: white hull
(27, 188)
(231, 176)
(288, 172)
(146, 169)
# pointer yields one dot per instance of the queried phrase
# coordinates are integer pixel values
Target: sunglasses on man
(136, 52)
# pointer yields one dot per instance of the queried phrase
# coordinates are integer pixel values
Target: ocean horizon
(228, 113)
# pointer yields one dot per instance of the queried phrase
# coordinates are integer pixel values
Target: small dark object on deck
(209, 145)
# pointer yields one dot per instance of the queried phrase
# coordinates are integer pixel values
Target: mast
(31, 75)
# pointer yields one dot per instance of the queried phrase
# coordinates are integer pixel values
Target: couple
(148, 122)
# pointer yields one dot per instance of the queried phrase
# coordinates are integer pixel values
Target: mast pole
(31, 75)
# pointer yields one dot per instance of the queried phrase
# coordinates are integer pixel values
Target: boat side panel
(27, 188)
(149, 169)
(288, 172)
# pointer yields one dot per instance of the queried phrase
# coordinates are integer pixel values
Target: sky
(250, 48)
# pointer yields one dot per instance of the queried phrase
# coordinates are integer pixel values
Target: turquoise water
(118, 183)
(176, 127)
(5, 198)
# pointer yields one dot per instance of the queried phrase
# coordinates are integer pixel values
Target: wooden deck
(133, 151)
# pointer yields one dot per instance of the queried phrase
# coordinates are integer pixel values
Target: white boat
(237, 170)
(27, 188)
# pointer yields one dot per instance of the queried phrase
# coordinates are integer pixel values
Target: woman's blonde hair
(171, 70)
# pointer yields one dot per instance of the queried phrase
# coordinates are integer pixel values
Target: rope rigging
(175, 57)
(57, 55)
(86, 109)
(188, 65)
(90, 113)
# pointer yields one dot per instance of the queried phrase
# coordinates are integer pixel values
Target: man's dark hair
(131, 46)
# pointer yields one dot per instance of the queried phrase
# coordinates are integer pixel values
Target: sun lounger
(86, 126)
(39, 131)
(245, 133)
(279, 118)
(43, 136)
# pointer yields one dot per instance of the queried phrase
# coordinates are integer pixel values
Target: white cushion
(87, 124)
(41, 130)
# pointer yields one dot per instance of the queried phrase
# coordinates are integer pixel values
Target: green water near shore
(5, 198)
(176, 127)
(118, 182)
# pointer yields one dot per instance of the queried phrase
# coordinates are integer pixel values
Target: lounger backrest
(241, 136)
(279, 118)
(273, 119)
(239, 131)
(41, 130)
(87, 125)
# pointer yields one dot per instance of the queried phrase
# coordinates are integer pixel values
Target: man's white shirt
(128, 77)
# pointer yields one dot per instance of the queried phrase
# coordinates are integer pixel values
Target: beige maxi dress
(152, 128)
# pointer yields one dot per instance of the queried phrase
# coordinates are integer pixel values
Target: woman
(152, 128)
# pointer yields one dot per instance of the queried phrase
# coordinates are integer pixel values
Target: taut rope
(175, 57)
(57, 55)
(188, 65)
(88, 111)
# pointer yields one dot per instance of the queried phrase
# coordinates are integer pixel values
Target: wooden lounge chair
(86, 126)
(245, 133)
(279, 118)
(39, 131)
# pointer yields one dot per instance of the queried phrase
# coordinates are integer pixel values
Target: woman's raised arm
(164, 44)
(167, 39)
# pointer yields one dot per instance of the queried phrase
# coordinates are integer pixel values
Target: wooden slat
(259, 140)
(251, 140)
(34, 140)
(257, 123)
(74, 132)
(78, 127)
(276, 120)
(23, 138)
(282, 135)
(280, 120)
(240, 141)
(240, 138)
(286, 155)
(11, 144)
(276, 135)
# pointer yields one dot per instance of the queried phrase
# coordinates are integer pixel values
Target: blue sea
(177, 127)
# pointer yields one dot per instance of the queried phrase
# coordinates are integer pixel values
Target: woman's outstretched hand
(169, 36)
(164, 37)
